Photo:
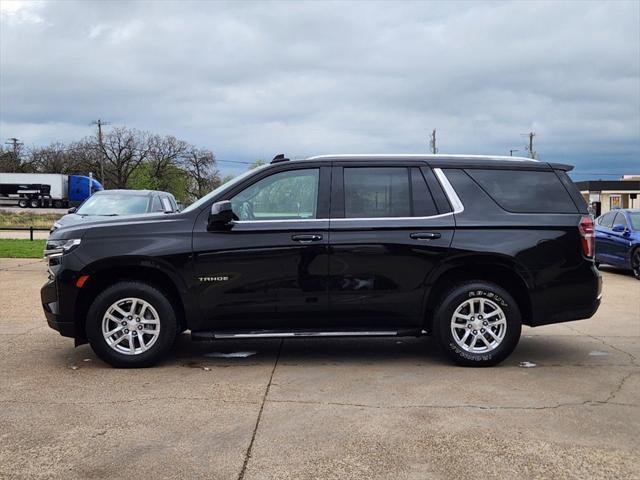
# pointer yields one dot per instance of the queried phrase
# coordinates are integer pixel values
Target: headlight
(55, 226)
(57, 248)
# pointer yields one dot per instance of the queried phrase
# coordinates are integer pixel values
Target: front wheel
(635, 263)
(131, 324)
(477, 324)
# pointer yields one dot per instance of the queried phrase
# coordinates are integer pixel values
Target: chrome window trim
(449, 191)
(287, 220)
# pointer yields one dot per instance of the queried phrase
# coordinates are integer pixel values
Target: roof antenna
(279, 158)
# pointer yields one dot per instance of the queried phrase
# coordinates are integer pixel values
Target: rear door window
(378, 192)
(525, 191)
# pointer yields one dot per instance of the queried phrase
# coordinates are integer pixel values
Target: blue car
(618, 239)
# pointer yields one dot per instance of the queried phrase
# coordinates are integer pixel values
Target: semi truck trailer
(46, 189)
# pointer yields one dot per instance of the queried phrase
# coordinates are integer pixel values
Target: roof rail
(279, 158)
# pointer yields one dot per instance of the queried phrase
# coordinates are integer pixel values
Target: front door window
(290, 195)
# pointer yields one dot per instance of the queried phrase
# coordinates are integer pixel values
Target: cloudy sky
(252, 79)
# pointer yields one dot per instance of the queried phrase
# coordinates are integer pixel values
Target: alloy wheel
(131, 326)
(478, 325)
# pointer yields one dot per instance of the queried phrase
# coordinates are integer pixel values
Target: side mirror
(221, 215)
(72, 210)
(619, 228)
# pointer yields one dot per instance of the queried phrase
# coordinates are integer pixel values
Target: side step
(226, 334)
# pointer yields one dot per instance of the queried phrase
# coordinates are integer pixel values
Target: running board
(205, 336)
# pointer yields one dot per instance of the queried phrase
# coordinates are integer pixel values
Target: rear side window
(607, 219)
(377, 192)
(621, 220)
(156, 206)
(166, 203)
(525, 191)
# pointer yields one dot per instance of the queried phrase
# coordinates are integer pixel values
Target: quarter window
(377, 192)
(524, 191)
(290, 195)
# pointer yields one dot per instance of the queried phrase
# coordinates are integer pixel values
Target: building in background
(605, 195)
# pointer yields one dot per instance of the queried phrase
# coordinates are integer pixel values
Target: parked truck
(46, 189)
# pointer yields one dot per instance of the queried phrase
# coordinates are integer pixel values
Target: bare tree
(164, 157)
(11, 158)
(56, 158)
(124, 150)
(200, 167)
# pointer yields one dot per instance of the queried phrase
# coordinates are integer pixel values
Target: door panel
(269, 268)
(619, 241)
(257, 275)
(379, 266)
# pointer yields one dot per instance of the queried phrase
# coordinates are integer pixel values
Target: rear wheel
(477, 324)
(34, 203)
(57, 204)
(131, 324)
(635, 263)
(23, 203)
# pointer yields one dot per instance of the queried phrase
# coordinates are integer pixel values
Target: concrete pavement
(342, 408)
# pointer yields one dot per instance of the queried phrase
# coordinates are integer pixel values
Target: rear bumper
(568, 301)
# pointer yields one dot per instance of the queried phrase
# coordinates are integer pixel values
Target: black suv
(463, 248)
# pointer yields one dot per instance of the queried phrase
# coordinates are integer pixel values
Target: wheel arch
(101, 278)
(491, 269)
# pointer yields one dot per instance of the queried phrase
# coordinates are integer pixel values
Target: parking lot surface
(344, 408)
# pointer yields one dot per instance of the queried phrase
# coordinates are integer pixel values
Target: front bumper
(51, 306)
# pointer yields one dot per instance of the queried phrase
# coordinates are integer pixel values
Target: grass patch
(13, 248)
(28, 219)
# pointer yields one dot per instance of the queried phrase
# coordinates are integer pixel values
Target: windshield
(635, 220)
(114, 204)
(199, 203)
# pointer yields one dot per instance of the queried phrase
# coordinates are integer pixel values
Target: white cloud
(252, 79)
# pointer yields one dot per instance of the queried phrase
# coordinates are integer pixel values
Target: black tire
(148, 293)
(454, 298)
(635, 263)
(34, 203)
(23, 203)
(57, 204)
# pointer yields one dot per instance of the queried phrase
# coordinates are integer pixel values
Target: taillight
(587, 236)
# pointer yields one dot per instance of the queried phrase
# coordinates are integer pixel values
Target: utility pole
(432, 142)
(529, 148)
(15, 144)
(100, 123)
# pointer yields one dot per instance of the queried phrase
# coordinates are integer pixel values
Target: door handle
(425, 235)
(306, 238)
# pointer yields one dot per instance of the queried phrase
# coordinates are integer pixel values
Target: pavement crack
(255, 429)
(616, 390)
(601, 340)
(606, 401)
